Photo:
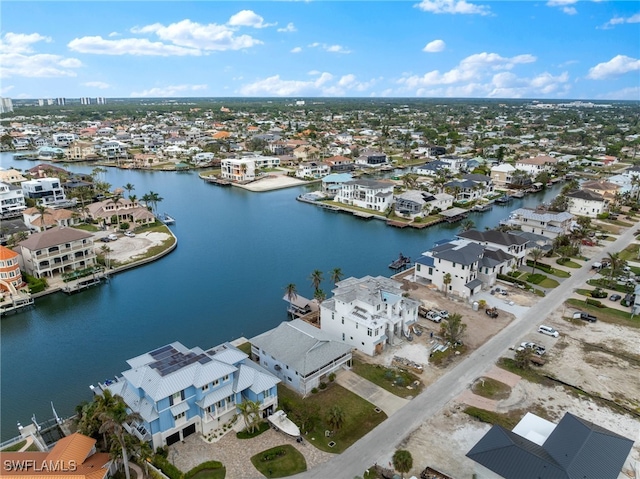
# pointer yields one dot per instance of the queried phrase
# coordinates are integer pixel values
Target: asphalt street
(383, 440)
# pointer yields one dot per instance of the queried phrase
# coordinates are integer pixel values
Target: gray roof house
(574, 449)
(300, 354)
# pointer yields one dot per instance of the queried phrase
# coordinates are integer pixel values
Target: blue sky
(430, 48)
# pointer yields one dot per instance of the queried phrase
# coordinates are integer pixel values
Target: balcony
(138, 430)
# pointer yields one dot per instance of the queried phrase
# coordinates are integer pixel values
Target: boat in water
(504, 199)
(401, 263)
(166, 219)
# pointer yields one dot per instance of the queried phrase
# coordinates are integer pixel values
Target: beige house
(306, 152)
(58, 217)
(56, 251)
(125, 211)
(501, 175)
(12, 177)
(81, 150)
(537, 165)
(606, 189)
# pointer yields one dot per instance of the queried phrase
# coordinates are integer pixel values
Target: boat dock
(401, 263)
(217, 181)
(16, 305)
(81, 285)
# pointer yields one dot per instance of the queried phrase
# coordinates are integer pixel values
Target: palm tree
(112, 424)
(467, 225)
(292, 293)
(536, 254)
(316, 279)
(402, 461)
(446, 280)
(129, 187)
(105, 250)
(42, 209)
(614, 264)
(453, 328)
(155, 198)
(250, 411)
(336, 417)
(336, 275)
(144, 451)
(319, 295)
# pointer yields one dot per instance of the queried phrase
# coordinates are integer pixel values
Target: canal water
(237, 250)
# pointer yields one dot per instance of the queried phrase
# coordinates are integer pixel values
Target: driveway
(388, 402)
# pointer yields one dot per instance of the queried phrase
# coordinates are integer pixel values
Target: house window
(430, 271)
(205, 388)
(417, 267)
(176, 398)
(211, 409)
(343, 336)
(369, 332)
(267, 393)
(182, 415)
(226, 378)
(342, 320)
(216, 382)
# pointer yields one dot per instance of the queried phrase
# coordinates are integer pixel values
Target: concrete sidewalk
(388, 402)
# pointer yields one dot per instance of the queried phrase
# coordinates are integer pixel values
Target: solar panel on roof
(157, 352)
(204, 360)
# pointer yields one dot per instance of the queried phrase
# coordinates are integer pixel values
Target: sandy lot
(125, 249)
(272, 182)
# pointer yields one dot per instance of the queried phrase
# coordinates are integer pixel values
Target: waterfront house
(300, 354)
(11, 176)
(573, 449)
(460, 259)
(502, 174)
(333, 182)
(368, 313)
(340, 163)
(47, 192)
(10, 275)
(537, 165)
(454, 162)
(312, 169)
(180, 391)
(586, 203)
(546, 223)
(412, 202)
(55, 251)
(37, 221)
(119, 210)
(369, 194)
(512, 244)
(11, 200)
(239, 170)
(607, 189)
(80, 151)
(432, 168)
(72, 457)
(371, 158)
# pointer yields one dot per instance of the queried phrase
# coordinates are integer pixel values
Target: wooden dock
(398, 224)
(217, 181)
(81, 285)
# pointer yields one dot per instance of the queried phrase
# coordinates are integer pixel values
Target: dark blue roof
(426, 260)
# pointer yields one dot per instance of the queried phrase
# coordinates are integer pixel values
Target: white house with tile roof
(300, 354)
(369, 194)
(180, 391)
(368, 313)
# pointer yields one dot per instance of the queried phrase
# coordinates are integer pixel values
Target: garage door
(187, 431)
(173, 439)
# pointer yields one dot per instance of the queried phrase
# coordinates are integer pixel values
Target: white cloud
(324, 85)
(453, 7)
(565, 5)
(296, 50)
(434, 46)
(468, 70)
(199, 36)
(289, 28)
(128, 46)
(248, 18)
(113, 34)
(621, 20)
(330, 48)
(97, 84)
(169, 91)
(6, 89)
(631, 93)
(37, 66)
(617, 66)
(20, 42)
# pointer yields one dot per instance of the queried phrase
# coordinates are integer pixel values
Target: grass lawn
(610, 228)
(507, 420)
(356, 208)
(360, 416)
(262, 427)
(630, 252)
(608, 315)
(541, 280)
(490, 388)
(245, 347)
(211, 474)
(568, 264)
(528, 374)
(279, 461)
(87, 227)
(15, 447)
(393, 380)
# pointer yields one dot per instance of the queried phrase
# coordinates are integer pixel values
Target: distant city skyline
(555, 49)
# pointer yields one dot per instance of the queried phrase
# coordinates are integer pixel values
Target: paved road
(383, 440)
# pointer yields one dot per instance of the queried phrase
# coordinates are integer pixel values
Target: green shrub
(314, 390)
(332, 377)
(598, 293)
(202, 467)
(603, 216)
(323, 385)
(166, 467)
(536, 278)
(594, 302)
(509, 279)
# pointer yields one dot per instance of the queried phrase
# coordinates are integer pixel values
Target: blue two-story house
(180, 391)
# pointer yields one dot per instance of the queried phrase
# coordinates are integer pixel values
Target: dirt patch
(125, 248)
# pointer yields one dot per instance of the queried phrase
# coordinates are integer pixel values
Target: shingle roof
(466, 254)
(53, 237)
(576, 449)
(493, 236)
(585, 195)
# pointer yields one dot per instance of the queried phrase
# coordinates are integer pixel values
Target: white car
(548, 330)
(130, 234)
(433, 316)
(444, 314)
(113, 236)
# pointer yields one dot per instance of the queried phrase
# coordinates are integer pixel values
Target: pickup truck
(433, 316)
(584, 316)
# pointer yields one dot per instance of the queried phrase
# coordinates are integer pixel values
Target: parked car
(444, 314)
(112, 237)
(104, 239)
(491, 312)
(548, 330)
(615, 297)
(584, 316)
(130, 234)
(433, 316)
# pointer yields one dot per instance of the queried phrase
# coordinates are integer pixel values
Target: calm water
(236, 252)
